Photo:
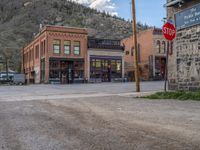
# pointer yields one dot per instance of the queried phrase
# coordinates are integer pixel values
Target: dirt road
(102, 123)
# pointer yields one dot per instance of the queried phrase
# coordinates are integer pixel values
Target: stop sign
(169, 31)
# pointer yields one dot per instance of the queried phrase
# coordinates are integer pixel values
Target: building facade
(56, 55)
(184, 63)
(65, 55)
(151, 55)
(106, 60)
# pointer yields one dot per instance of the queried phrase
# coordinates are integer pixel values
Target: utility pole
(137, 80)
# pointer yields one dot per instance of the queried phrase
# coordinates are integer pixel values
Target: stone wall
(184, 63)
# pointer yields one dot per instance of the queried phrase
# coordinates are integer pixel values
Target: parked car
(19, 79)
(6, 79)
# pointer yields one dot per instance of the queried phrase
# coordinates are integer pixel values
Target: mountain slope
(19, 19)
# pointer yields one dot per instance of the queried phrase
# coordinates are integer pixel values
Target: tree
(6, 57)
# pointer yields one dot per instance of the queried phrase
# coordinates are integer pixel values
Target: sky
(150, 12)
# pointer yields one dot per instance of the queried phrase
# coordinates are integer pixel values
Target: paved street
(95, 117)
(35, 92)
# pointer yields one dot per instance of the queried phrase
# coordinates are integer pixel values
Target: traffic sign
(169, 31)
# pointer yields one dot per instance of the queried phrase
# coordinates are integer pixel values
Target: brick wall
(148, 47)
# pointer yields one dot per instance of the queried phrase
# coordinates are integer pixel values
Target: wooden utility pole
(137, 79)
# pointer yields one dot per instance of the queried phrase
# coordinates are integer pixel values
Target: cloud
(101, 5)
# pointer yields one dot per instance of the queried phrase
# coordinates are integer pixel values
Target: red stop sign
(169, 31)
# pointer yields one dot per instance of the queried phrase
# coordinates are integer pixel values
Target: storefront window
(105, 69)
(98, 64)
(67, 45)
(77, 48)
(56, 46)
(54, 72)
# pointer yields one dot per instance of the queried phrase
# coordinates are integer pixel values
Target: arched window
(132, 50)
(163, 47)
(158, 46)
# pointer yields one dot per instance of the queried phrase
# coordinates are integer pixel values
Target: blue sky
(148, 11)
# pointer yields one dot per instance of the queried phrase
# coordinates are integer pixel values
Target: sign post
(169, 32)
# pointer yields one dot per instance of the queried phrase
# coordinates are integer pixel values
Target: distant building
(184, 63)
(151, 55)
(65, 55)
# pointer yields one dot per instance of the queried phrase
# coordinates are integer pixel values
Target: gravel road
(101, 123)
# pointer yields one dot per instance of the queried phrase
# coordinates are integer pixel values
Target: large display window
(105, 70)
(63, 71)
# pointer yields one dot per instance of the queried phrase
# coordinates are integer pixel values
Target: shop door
(70, 72)
(106, 77)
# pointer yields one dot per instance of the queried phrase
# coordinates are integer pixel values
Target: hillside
(20, 19)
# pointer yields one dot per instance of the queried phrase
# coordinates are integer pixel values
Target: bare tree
(7, 55)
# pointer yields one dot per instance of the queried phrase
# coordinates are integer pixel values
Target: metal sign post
(166, 66)
(169, 32)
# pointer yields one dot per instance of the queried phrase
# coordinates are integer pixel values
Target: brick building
(62, 55)
(184, 63)
(151, 55)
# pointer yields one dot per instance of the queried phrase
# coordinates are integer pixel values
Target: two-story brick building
(184, 63)
(56, 54)
(151, 54)
(64, 55)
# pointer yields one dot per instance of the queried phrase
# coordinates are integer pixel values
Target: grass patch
(179, 95)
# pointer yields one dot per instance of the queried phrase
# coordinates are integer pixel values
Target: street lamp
(137, 79)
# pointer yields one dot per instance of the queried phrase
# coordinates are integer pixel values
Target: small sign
(188, 17)
(169, 31)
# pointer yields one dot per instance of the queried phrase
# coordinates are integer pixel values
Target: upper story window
(32, 51)
(67, 47)
(77, 48)
(158, 46)
(37, 52)
(56, 46)
(127, 52)
(41, 49)
(163, 47)
(44, 47)
(132, 51)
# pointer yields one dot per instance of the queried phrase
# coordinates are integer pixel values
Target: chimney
(41, 26)
(34, 34)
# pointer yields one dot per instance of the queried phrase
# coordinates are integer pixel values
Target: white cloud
(101, 5)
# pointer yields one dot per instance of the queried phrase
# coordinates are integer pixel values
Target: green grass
(179, 95)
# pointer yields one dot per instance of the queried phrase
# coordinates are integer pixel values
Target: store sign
(188, 17)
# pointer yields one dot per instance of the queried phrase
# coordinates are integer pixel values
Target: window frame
(67, 45)
(75, 46)
(55, 44)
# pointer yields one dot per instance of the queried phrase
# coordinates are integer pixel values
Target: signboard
(188, 17)
(169, 31)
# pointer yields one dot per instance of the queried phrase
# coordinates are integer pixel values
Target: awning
(173, 2)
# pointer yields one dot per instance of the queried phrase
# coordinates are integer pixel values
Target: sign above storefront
(188, 17)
